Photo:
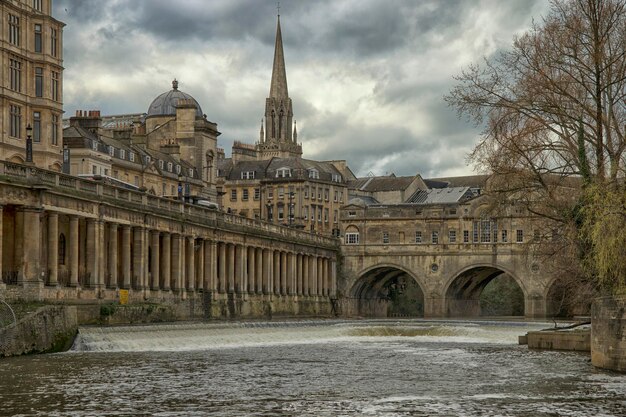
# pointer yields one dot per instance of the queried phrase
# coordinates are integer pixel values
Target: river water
(312, 368)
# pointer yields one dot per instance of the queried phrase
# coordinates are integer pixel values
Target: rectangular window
(435, 238)
(418, 236)
(55, 85)
(244, 194)
(257, 193)
(326, 194)
(352, 238)
(14, 30)
(136, 180)
(352, 214)
(281, 213)
(485, 231)
(452, 236)
(53, 42)
(335, 216)
(305, 212)
(385, 237)
(36, 126)
(247, 175)
(94, 170)
(163, 189)
(319, 214)
(270, 193)
(39, 82)
(306, 192)
(465, 236)
(325, 215)
(336, 196)
(319, 194)
(504, 236)
(519, 236)
(15, 121)
(55, 129)
(15, 75)
(281, 192)
(131, 156)
(37, 38)
(233, 195)
(475, 231)
(37, 5)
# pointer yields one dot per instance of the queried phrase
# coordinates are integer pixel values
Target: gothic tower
(278, 138)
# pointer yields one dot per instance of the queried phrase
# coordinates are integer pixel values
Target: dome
(165, 104)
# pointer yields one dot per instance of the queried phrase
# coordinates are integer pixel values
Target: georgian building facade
(31, 73)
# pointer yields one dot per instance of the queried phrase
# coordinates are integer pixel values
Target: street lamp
(29, 143)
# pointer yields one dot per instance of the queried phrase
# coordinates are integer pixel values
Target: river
(311, 368)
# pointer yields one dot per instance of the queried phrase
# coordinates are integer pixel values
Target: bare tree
(554, 112)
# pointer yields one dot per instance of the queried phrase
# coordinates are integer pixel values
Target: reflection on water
(314, 368)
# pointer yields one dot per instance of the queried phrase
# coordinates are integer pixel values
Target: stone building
(31, 72)
(168, 151)
(271, 181)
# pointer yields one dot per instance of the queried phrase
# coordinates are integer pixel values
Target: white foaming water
(205, 336)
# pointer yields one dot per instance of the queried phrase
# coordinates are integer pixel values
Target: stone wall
(559, 340)
(608, 333)
(49, 329)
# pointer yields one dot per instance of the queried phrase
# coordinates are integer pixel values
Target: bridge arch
(386, 290)
(464, 288)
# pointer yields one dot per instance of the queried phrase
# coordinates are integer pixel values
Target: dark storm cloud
(366, 77)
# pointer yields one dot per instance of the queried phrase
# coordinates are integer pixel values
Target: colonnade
(61, 249)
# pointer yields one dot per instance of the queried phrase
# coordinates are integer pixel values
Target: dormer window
(283, 173)
(161, 164)
(336, 178)
(122, 154)
(191, 172)
(247, 175)
(131, 156)
(148, 159)
(112, 150)
(94, 145)
(314, 173)
(169, 166)
(178, 169)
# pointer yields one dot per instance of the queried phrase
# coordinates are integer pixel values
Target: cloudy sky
(367, 77)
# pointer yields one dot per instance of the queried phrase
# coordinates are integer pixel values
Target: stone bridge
(451, 251)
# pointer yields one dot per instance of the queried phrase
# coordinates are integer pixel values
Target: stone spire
(261, 133)
(278, 87)
(278, 140)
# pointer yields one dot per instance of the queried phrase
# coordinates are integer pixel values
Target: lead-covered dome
(165, 104)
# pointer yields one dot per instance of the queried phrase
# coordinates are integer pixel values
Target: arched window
(352, 235)
(61, 249)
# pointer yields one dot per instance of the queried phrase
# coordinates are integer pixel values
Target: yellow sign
(123, 297)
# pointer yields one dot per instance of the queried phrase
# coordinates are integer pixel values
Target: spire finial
(175, 84)
(278, 8)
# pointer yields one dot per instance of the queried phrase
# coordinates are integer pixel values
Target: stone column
(92, 254)
(267, 283)
(230, 267)
(183, 263)
(283, 273)
(53, 248)
(306, 285)
(200, 265)
(191, 263)
(155, 260)
(315, 276)
(258, 255)
(242, 265)
(221, 273)
(299, 274)
(176, 263)
(325, 276)
(252, 277)
(138, 255)
(2, 285)
(291, 283)
(166, 267)
(73, 256)
(113, 255)
(126, 261)
(100, 249)
(333, 278)
(30, 266)
(276, 274)
(210, 265)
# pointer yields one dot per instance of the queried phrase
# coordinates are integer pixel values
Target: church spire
(278, 87)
